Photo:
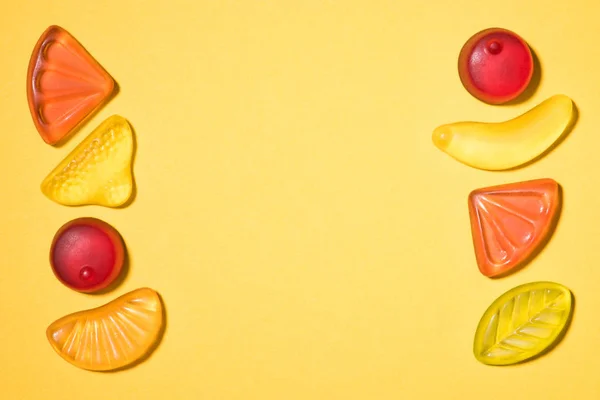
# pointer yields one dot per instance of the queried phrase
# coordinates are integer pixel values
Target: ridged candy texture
(65, 85)
(523, 323)
(112, 336)
(510, 223)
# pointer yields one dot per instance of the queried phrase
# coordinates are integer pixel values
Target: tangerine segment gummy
(495, 65)
(87, 254)
(509, 223)
(509, 144)
(111, 336)
(65, 84)
(98, 170)
(523, 323)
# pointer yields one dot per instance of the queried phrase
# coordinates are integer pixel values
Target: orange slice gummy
(65, 84)
(112, 336)
(98, 170)
(510, 222)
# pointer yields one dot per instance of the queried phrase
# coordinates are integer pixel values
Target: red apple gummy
(495, 65)
(87, 254)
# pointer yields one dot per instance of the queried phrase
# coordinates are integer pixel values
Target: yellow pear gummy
(112, 336)
(505, 145)
(98, 170)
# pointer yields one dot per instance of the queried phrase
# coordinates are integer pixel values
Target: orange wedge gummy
(65, 84)
(509, 223)
(112, 336)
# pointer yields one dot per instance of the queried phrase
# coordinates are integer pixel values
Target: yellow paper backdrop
(307, 238)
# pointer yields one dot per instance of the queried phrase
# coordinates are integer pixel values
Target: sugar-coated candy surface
(98, 170)
(508, 144)
(495, 65)
(112, 336)
(65, 84)
(523, 323)
(87, 254)
(511, 222)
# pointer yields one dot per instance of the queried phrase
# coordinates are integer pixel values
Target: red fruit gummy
(65, 85)
(495, 65)
(87, 254)
(511, 222)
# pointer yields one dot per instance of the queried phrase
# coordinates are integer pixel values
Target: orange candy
(510, 222)
(113, 336)
(64, 84)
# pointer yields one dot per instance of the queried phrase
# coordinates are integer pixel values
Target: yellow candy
(98, 170)
(522, 323)
(112, 336)
(508, 144)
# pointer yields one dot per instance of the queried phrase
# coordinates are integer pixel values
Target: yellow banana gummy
(98, 170)
(509, 144)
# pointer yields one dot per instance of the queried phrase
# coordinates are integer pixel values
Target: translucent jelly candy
(64, 84)
(522, 323)
(508, 144)
(112, 336)
(98, 170)
(495, 65)
(509, 223)
(87, 254)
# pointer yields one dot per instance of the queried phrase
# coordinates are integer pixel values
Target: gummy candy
(64, 84)
(98, 170)
(111, 336)
(495, 65)
(508, 144)
(523, 323)
(509, 223)
(87, 254)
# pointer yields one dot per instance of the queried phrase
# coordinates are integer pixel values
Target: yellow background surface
(307, 238)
